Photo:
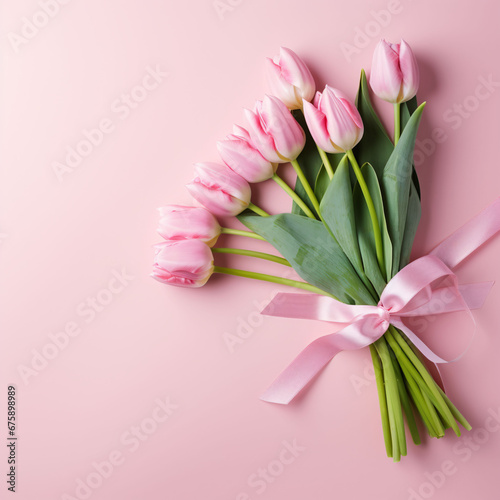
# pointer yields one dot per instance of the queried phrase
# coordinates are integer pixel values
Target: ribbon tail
(472, 235)
(446, 300)
(474, 294)
(302, 370)
(438, 377)
(313, 306)
(423, 348)
(319, 353)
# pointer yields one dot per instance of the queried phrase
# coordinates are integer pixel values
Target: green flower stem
(295, 197)
(306, 185)
(271, 279)
(427, 412)
(393, 401)
(419, 402)
(239, 232)
(455, 412)
(252, 253)
(379, 378)
(458, 416)
(371, 209)
(412, 374)
(326, 162)
(322, 153)
(430, 383)
(311, 195)
(413, 388)
(257, 210)
(436, 421)
(426, 407)
(397, 122)
(405, 400)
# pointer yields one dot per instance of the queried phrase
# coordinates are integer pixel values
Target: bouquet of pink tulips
(355, 212)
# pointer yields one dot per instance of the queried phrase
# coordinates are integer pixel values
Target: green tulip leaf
(396, 182)
(322, 179)
(375, 146)
(412, 220)
(337, 209)
(312, 252)
(407, 109)
(321, 184)
(365, 235)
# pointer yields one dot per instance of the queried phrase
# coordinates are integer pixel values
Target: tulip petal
(183, 263)
(280, 87)
(261, 140)
(219, 189)
(386, 78)
(246, 161)
(295, 71)
(317, 100)
(410, 71)
(316, 122)
(241, 133)
(185, 223)
(289, 138)
(343, 120)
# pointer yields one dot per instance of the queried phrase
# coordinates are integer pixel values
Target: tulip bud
(274, 131)
(219, 189)
(290, 79)
(334, 122)
(188, 223)
(239, 155)
(187, 263)
(394, 76)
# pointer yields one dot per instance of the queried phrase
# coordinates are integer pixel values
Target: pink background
(61, 241)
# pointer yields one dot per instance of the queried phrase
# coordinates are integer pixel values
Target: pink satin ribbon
(425, 286)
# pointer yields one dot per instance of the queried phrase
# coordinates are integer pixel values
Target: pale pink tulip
(394, 76)
(274, 131)
(219, 189)
(238, 153)
(334, 121)
(290, 79)
(188, 223)
(187, 263)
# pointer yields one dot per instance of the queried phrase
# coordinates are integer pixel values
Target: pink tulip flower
(186, 263)
(274, 131)
(188, 223)
(219, 189)
(334, 121)
(290, 79)
(394, 76)
(238, 153)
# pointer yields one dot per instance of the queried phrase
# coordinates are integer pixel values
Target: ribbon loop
(425, 286)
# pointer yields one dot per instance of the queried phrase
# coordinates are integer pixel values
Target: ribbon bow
(415, 291)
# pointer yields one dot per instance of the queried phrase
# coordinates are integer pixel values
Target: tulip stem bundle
(295, 197)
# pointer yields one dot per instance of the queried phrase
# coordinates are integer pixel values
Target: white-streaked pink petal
(288, 136)
(386, 78)
(410, 71)
(316, 122)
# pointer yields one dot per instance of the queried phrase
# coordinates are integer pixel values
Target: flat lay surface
(129, 389)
